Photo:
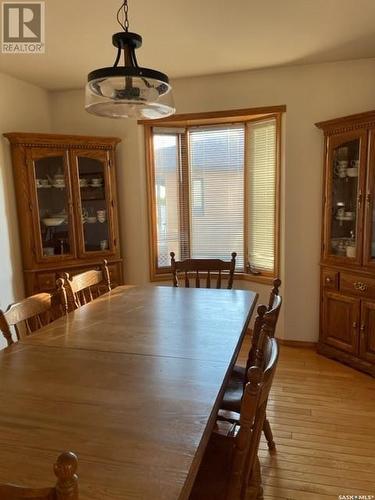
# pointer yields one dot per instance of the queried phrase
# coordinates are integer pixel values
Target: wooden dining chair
(84, 287)
(266, 321)
(230, 468)
(28, 315)
(210, 269)
(66, 487)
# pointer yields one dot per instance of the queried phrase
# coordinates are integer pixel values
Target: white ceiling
(197, 37)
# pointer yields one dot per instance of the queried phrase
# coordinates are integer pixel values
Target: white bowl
(53, 221)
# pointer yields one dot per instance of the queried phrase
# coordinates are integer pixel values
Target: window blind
(261, 189)
(216, 168)
(166, 149)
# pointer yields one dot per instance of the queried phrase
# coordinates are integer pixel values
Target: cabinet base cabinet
(341, 322)
(347, 331)
(45, 281)
(367, 329)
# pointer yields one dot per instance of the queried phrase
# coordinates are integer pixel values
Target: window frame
(212, 118)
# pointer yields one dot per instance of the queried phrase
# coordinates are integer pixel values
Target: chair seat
(213, 477)
(234, 390)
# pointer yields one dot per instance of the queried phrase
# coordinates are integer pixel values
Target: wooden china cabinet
(347, 311)
(67, 206)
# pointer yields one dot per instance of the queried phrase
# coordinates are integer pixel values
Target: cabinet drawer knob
(328, 279)
(359, 285)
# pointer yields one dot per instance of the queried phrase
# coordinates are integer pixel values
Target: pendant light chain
(124, 24)
(126, 10)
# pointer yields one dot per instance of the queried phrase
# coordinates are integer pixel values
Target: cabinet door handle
(355, 324)
(363, 326)
(359, 285)
(368, 198)
(328, 279)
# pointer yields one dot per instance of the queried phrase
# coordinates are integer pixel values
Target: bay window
(214, 190)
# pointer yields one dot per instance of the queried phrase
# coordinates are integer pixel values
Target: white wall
(24, 108)
(311, 93)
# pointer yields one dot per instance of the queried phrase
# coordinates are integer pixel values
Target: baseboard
(298, 343)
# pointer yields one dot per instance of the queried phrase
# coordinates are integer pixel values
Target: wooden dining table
(130, 382)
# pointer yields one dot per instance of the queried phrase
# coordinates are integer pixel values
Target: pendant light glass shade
(129, 96)
(129, 91)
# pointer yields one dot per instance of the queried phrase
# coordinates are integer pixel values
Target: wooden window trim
(212, 118)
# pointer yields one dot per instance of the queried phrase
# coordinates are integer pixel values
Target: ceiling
(197, 37)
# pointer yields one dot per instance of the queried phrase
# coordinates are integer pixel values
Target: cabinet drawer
(330, 279)
(46, 281)
(360, 286)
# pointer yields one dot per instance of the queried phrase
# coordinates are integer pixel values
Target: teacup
(48, 251)
(350, 251)
(341, 168)
(352, 172)
(83, 182)
(103, 244)
(97, 181)
(340, 212)
(350, 214)
(101, 215)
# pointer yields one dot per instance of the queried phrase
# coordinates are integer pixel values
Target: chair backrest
(26, 316)
(266, 319)
(274, 306)
(274, 292)
(66, 487)
(203, 268)
(245, 463)
(84, 287)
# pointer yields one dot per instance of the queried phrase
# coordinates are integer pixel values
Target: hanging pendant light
(128, 91)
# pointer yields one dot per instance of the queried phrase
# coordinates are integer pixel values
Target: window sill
(262, 280)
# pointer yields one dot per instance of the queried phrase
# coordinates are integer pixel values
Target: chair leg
(269, 436)
(254, 490)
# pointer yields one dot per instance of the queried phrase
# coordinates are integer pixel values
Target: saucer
(345, 217)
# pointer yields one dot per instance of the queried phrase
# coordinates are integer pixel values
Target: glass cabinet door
(94, 206)
(346, 177)
(53, 224)
(369, 240)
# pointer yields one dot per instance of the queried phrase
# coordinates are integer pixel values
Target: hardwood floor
(323, 420)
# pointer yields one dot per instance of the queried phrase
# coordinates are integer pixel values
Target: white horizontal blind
(166, 149)
(216, 162)
(261, 165)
